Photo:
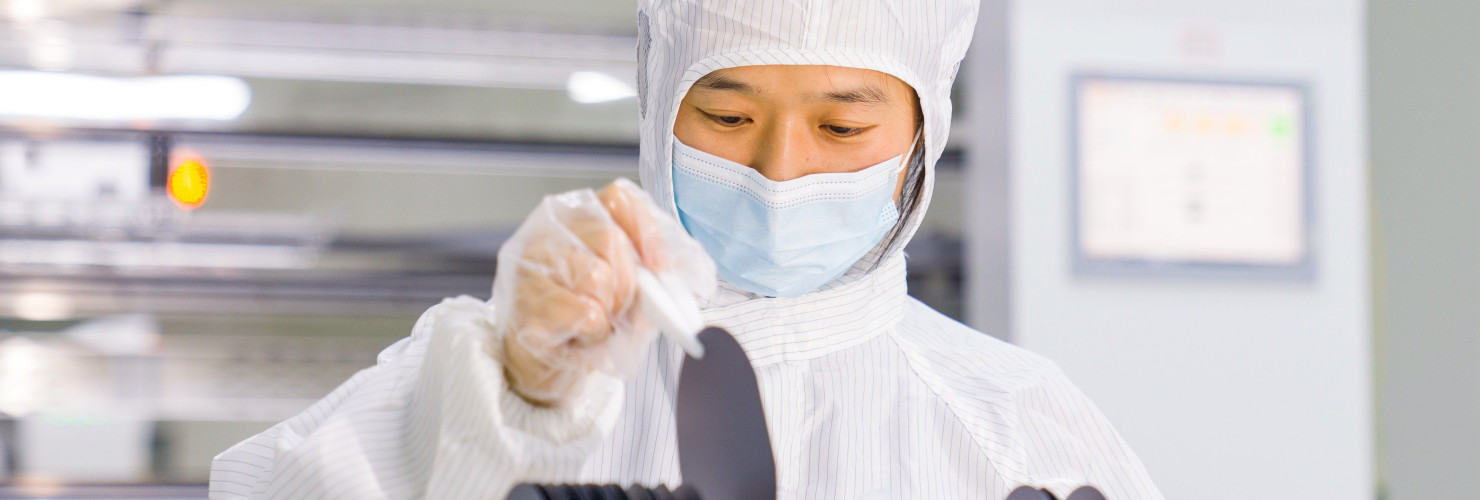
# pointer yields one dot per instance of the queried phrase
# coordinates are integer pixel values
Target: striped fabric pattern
(871, 394)
(867, 393)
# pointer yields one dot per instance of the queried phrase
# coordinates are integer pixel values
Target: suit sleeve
(434, 418)
(1071, 438)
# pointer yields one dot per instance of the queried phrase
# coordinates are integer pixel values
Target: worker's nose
(785, 151)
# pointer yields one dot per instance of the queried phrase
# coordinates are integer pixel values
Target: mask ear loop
(904, 203)
(909, 161)
(909, 154)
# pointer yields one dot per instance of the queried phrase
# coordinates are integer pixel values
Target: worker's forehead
(825, 83)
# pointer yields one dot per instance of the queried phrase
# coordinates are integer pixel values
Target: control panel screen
(1183, 175)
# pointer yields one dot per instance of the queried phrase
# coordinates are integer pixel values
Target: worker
(794, 142)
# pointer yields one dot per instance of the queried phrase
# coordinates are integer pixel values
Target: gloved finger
(665, 246)
(555, 337)
(537, 379)
(554, 319)
(576, 268)
(633, 211)
(606, 268)
(584, 250)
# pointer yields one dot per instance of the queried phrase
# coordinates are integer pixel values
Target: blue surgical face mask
(788, 238)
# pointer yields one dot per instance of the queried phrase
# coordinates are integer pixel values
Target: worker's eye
(728, 120)
(841, 131)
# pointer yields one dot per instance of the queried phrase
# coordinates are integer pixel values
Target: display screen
(1190, 175)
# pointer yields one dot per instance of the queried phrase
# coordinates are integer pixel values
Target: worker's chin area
(1243, 229)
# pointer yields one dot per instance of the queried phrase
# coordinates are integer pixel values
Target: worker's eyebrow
(866, 94)
(716, 81)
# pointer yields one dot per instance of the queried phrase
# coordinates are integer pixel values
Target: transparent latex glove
(565, 293)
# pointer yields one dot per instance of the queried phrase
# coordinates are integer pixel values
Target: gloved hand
(565, 293)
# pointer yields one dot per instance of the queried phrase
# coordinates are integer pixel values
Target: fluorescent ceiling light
(151, 255)
(26, 11)
(41, 306)
(592, 87)
(85, 97)
(319, 51)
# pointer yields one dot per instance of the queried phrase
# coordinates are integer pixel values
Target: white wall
(1226, 389)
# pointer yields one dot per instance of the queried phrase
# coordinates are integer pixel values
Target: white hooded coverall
(867, 392)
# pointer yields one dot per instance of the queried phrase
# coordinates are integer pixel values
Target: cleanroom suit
(867, 392)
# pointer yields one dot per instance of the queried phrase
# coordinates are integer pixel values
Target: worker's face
(791, 121)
